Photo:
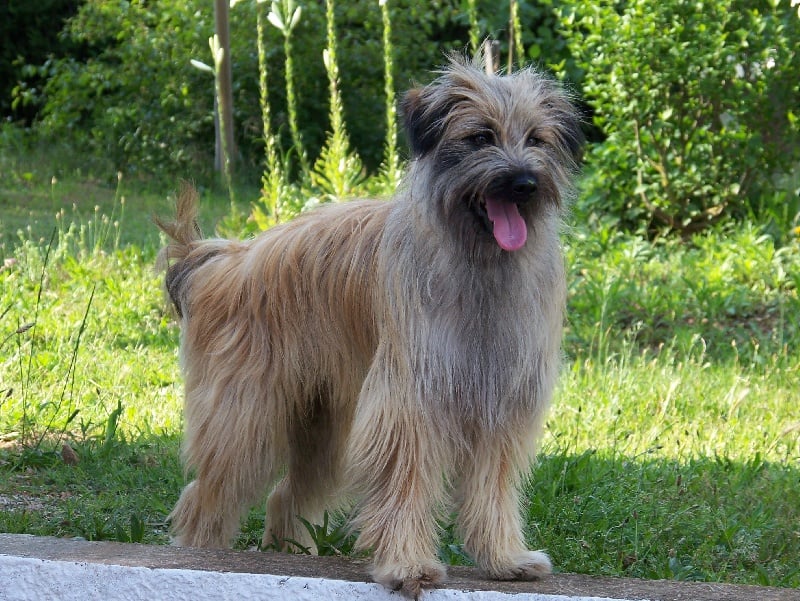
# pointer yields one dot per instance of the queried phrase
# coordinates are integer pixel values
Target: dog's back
(268, 281)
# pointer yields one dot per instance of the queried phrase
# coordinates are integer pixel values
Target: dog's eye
(481, 139)
(533, 141)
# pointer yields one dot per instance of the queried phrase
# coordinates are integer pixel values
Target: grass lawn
(672, 449)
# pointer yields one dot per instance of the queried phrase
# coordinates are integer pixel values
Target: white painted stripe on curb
(31, 579)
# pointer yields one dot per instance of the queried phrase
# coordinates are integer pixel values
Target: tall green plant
(391, 160)
(516, 51)
(338, 170)
(273, 179)
(285, 16)
(474, 27)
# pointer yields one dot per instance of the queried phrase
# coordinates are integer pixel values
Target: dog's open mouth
(505, 222)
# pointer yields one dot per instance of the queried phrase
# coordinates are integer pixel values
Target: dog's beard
(489, 218)
(491, 200)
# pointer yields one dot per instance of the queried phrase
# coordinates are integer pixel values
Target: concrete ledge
(36, 568)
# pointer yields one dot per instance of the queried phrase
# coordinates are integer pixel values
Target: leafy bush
(698, 102)
(136, 100)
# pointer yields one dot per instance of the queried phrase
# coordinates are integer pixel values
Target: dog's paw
(409, 580)
(530, 565)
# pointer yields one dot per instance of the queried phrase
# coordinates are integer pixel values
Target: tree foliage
(30, 34)
(132, 97)
(694, 104)
(698, 102)
(135, 99)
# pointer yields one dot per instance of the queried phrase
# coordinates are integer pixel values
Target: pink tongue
(509, 226)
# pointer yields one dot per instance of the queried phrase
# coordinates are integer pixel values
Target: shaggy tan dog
(403, 350)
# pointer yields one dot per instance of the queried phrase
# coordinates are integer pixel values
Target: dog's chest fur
(483, 336)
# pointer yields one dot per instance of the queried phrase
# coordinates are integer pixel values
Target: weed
(330, 538)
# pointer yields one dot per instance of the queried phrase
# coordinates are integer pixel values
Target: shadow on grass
(707, 519)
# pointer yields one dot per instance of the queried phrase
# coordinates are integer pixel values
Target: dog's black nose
(523, 187)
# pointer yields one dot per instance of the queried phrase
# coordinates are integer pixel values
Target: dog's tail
(184, 232)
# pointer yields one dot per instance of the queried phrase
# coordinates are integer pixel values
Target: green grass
(662, 467)
(45, 189)
(672, 450)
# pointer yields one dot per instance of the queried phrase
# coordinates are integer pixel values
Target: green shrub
(131, 96)
(698, 102)
(136, 100)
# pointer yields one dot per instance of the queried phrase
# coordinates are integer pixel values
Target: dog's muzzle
(523, 187)
(500, 208)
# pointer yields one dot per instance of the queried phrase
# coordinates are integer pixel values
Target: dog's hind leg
(489, 513)
(316, 449)
(231, 449)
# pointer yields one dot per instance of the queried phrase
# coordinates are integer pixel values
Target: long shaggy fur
(398, 350)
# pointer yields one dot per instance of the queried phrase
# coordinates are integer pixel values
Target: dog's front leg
(398, 459)
(489, 508)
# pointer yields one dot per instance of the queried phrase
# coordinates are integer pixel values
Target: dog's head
(497, 151)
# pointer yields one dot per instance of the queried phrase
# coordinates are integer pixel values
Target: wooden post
(491, 55)
(225, 146)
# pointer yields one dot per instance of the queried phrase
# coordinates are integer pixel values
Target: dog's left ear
(569, 118)
(572, 134)
(423, 121)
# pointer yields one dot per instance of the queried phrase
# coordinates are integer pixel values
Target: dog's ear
(572, 136)
(565, 113)
(424, 121)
